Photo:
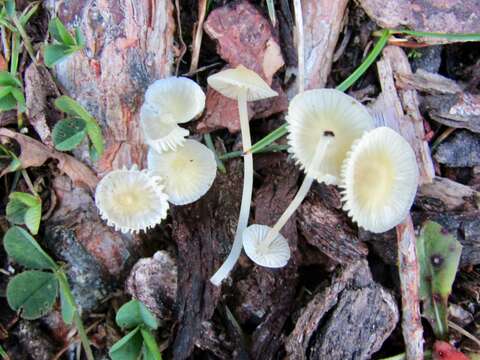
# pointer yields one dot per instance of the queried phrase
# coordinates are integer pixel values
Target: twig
(197, 44)
(409, 283)
(463, 332)
(183, 47)
(300, 40)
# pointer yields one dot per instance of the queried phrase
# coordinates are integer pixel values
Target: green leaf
(79, 38)
(24, 208)
(20, 99)
(34, 292)
(7, 79)
(150, 349)
(7, 100)
(24, 250)
(10, 7)
(73, 108)
(60, 33)
(134, 313)
(129, 347)
(67, 302)
(54, 53)
(68, 133)
(438, 257)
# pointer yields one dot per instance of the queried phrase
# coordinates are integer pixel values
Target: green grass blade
(453, 37)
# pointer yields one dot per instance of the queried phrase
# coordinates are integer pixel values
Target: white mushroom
(322, 125)
(274, 254)
(242, 85)
(131, 200)
(380, 180)
(187, 173)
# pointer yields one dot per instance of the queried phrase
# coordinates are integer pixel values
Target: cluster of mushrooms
(331, 136)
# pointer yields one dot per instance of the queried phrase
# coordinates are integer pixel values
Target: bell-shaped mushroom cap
(380, 179)
(160, 131)
(131, 200)
(178, 96)
(314, 113)
(187, 173)
(231, 82)
(272, 254)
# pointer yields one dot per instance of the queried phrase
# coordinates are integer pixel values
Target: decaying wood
(428, 82)
(269, 294)
(461, 149)
(251, 43)
(203, 232)
(409, 285)
(322, 21)
(446, 195)
(456, 16)
(358, 307)
(404, 104)
(325, 226)
(128, 46)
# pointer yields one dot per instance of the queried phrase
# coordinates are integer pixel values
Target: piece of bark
(428, 82)
(128, 46)
(359, 307)
(203, 232)
(444, 194)
(323, 22)
(459, 110)
(77, 216)
(40, 93)
(404, 105)
(461, 149)
(408, 270)
(451, 16)
(251, 43)
(222, 112)
(34, 342)
(325, 226)
(153, 281)
(34, 153)
(267, 296)
(429, 59)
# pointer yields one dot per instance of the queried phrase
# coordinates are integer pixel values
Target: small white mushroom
(131, 200)
(380, 180)
(323, 124)
(161, 132)
(274, 254)
(187, 173)
(169, 102)
(242, 85)
(181, 97)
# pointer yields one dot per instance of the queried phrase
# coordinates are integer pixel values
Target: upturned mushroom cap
(180, 97)
(314, 113)
(131, 200)
(274, 254)
(161, 131)
(380, 180)
(231, 82)
(187, 173)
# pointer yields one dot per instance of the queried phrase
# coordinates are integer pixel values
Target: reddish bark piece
(128, 46)
(446, 16)
(222, 112)
(249, 42)
(444, 351)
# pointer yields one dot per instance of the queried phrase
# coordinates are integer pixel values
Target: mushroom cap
(131, 200)
(380, 180)
(314, 113)
(187, 173)
(160, 131)
(231, 82)
(181, 97)
(275, 255)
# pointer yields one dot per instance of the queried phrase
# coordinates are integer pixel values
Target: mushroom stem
(303, 191)
(232, 258)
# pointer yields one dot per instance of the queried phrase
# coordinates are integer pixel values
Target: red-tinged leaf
(444, 351)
